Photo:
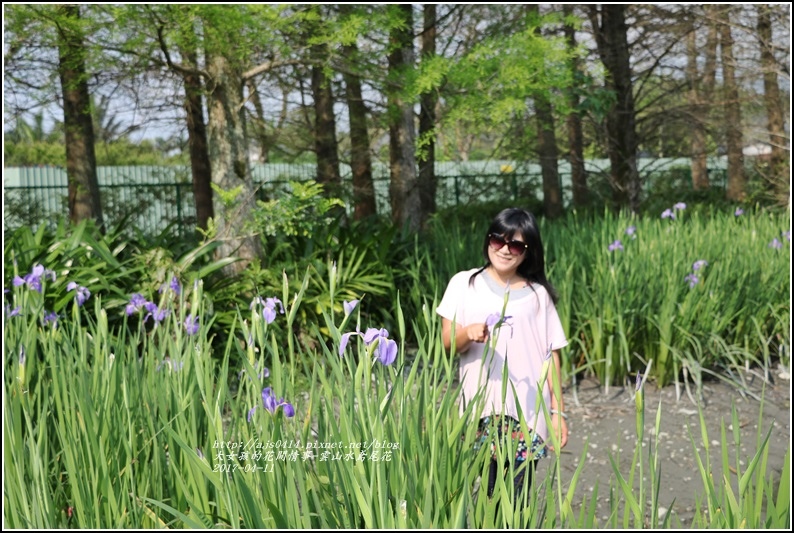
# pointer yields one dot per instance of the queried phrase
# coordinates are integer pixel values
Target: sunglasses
(496, 242)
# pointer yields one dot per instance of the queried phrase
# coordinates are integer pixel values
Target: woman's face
(506, 252)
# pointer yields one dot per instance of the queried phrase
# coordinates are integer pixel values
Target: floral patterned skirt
(509, 426)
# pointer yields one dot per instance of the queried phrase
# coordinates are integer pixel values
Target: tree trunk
(733, 116)
(360, 159)
(84, 199)
(197, 142)
(364, 205)
(613, 48)
(403, 189)
(259, 126)
(325, 145)
(779, 166)
(230, 169)
(701, 88)
(547, 147)
(699, 164)
(548, 153)
(428, 182)
(574, 123)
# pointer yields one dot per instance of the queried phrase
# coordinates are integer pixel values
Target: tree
(701, 89)
(324, 124)
(612, 41)
(547, 140)
(360, 160)
(579, 191)
(84, 200)
(428, 182)
(200, 168)
(779, 165)
(227, 33)
(737, 180)
(229, 153)
(406, 205)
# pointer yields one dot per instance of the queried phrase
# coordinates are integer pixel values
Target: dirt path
(607, 422)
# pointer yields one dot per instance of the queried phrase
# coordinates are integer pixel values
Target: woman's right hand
(463, 335)
(477, 332)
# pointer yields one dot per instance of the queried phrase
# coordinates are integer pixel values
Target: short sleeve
(554, 331)
(452, 301)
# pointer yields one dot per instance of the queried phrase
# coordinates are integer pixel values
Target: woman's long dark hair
(509, 222)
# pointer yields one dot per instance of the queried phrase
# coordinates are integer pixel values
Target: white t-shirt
(523, 341)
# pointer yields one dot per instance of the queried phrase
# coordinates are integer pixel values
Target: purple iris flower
(157, 314)
(786, 235)
(192, 324)
(631, 231)
(492, 319)
(387, 351)
(349, 306)
(495, 321)
(271, 404)
(137, 302)
(680, 205)
(739, 212)
(174, 285)
(269, 399)
(13, 312)
(668, 213)
(701, 263)
(387, 348)
(617, 245)
(344, 340)
(776, 244)
(372, 335)
(269, 314)
(33, 280)
(692, 279)
(81, 295)
(50, 317)
(272, 302)
(269, 311)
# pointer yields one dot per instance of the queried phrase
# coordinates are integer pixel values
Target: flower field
(301, 406)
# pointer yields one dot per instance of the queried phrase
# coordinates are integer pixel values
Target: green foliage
(117, 153)
(620, 308)
(136, 428)
(298, 213)
(24, 154)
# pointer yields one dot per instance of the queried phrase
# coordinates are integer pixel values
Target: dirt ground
(606, 421)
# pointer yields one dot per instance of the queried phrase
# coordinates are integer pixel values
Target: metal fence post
(181, 223)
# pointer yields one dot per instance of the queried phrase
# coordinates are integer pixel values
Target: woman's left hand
(559, 429)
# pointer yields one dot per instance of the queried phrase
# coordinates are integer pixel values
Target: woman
(502, 321)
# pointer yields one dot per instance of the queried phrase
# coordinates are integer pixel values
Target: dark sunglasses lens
(496, 242)
(516, 248)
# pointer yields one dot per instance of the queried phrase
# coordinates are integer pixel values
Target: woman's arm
(554, 380)
(463, 335)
